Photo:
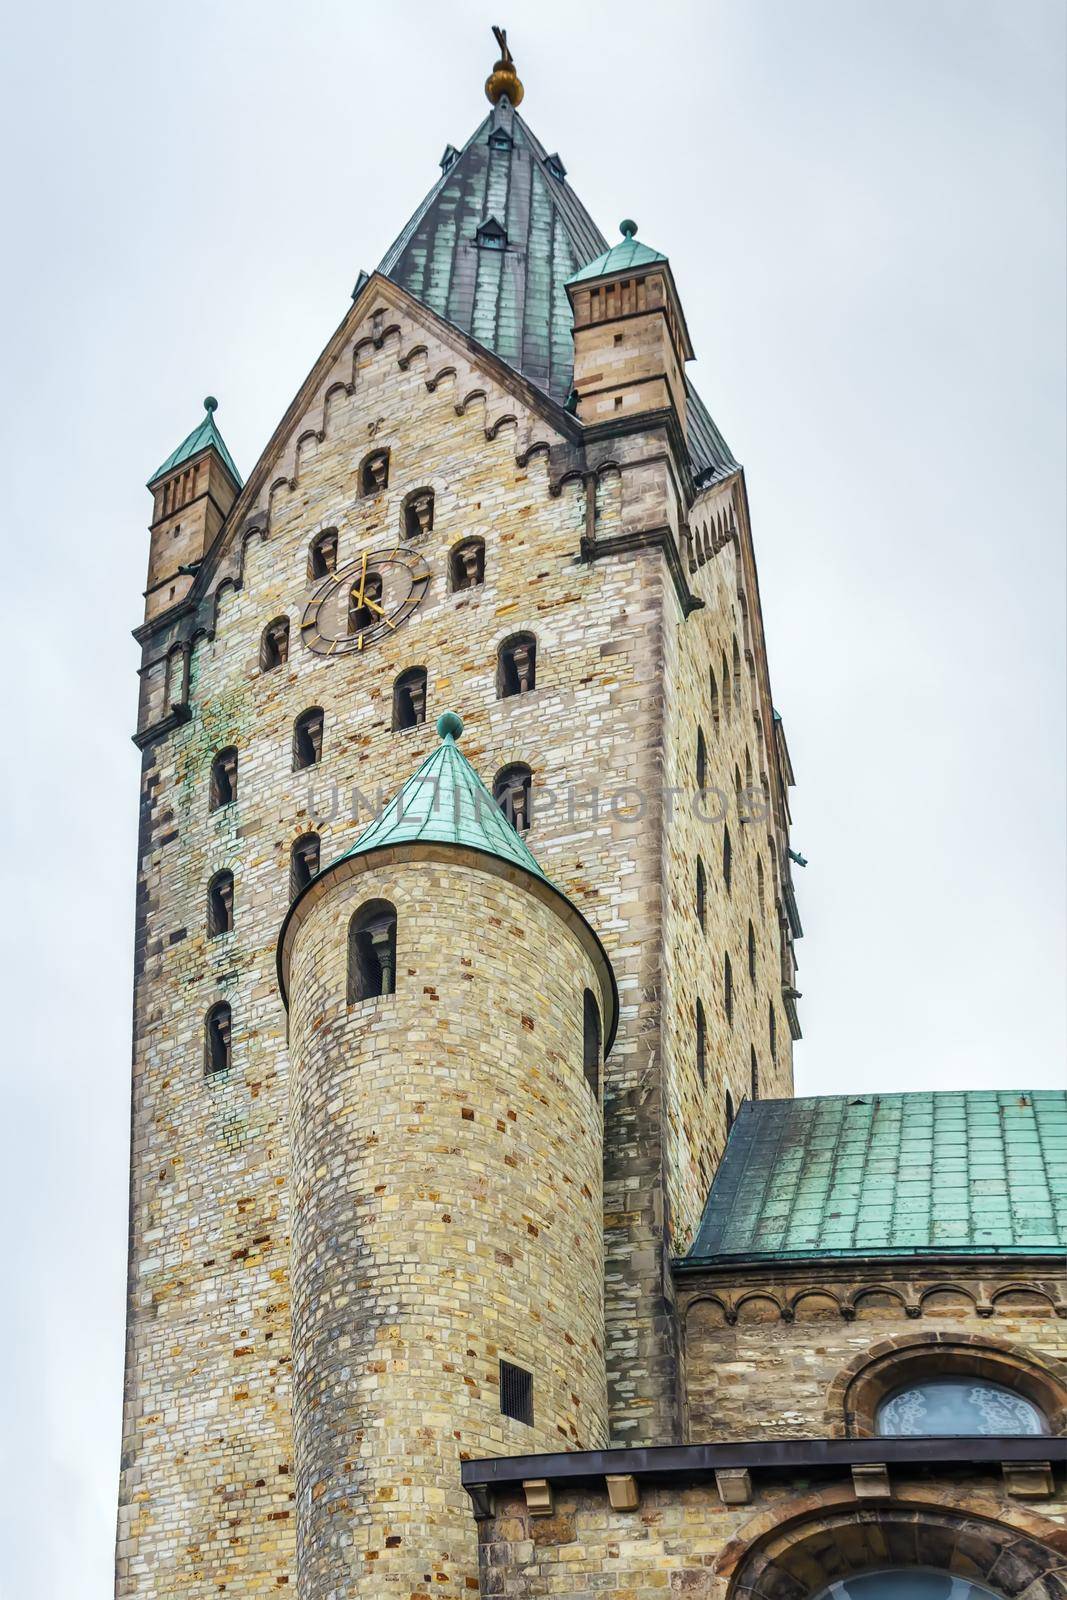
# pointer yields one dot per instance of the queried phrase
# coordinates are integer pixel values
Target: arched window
(322, 554)
(729, 1111)
(748, 768)
(727, 859)
(512, 792)
(365, 602)
(760, 886)
(217, 1039)
(409, 699)
(727, 697)
(274, 645)
(591, 1042)
(736, 675)
(516, 666)
(303, 863)
(772, 1030)
(701, 1043)
(372, 951)
(307, 739)
(728, 988)
(417, 514)
(220, 905)
(702, 760)
(374, 473)
(906, 1583)
(466, 564)
(702, 894)
(714, 685)
(957, 1405)
(222, 789)
(753, 1073)
(752, 952)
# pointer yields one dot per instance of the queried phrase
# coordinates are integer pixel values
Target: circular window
(902, 1584)
(961, 1405)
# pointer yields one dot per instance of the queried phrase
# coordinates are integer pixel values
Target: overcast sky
(863, 204)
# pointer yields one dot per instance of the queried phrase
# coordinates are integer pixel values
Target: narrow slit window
(702, 760)
(365, 603)
(714, 686)
(760, 885)
(726, 694)
(736, 675)
(591, 1042)
(307, 739)
(418, 514)
(517, 666)
(751, 952)
(220, 905)
(217, 1039)
(772, 1030)
(467, 565)
(701, 895)
(512, 791)
(729, 1111)
(372, 952)
(516, 1393)
(303, 863)
(274, 645)
(374, 473)
(701, 1043)
(409, 699)
(753, 1073)
(222, 790)
(728, 989)
(727, 859)
(322, 555)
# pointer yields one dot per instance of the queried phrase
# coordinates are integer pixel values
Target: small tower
(449, 1010)
(630, 338)
(192, 492)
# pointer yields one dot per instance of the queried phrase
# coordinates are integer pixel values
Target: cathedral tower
(497, 489)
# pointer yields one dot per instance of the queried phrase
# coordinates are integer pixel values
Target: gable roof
(979, 1172)
(445, 801)
(203, 437)
(514, 300)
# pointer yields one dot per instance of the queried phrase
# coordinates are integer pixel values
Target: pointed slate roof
(204, 436)
(446, 801)
(514, 300)
(979, 1172)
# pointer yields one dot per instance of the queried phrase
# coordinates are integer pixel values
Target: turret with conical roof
(448, 1008)
(192, 491)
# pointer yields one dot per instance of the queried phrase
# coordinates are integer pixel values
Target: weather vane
(504, 80)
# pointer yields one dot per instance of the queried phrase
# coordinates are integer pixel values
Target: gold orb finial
(504, 80)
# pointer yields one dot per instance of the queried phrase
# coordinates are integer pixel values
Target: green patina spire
(204, 436)
(446, 802)
(622, 257)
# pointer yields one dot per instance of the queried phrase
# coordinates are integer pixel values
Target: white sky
(863, 203)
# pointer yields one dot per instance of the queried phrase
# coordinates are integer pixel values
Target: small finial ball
(449, 725)
(210, 403)
(627, 227)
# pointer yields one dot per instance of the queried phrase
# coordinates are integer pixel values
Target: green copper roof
(446, 801)
(204, 436)
(978, 1172)
(622, 257)
(509, 292)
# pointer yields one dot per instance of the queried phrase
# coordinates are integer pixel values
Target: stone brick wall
(206, 1489)
(447, 1214)
(788, 1541)
(698, 651)
(765, 1351)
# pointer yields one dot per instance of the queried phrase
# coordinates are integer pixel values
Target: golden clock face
(372, 597)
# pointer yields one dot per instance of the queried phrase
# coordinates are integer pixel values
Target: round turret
(447, 1005)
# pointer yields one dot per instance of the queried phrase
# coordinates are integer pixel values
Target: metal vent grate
(516, 1393)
